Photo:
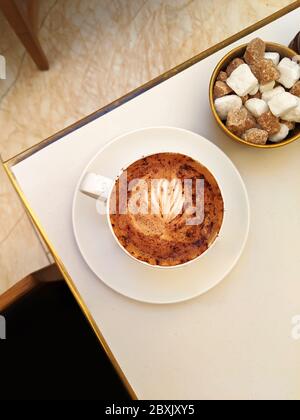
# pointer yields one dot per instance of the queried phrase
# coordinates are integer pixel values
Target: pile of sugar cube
(259, 95)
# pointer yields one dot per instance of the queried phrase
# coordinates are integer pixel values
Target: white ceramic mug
(100, 187)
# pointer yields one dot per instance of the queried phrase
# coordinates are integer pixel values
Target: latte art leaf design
(167, 198)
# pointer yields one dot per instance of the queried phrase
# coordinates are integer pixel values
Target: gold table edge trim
(7, 164)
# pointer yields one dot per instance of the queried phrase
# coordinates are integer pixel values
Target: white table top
(235, 341)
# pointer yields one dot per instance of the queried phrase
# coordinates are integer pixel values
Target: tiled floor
(98, 50)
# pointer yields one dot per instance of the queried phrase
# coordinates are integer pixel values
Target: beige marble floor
(98, 50)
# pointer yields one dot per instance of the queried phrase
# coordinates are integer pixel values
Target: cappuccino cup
(164, 210)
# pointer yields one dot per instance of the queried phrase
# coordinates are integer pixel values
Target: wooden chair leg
(25, 31)
(24, 286)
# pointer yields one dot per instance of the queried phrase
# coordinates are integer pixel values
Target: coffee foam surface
(156, 227)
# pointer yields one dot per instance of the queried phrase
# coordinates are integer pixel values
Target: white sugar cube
(281, 135)
(273, 56)
(289, 72)
(293, 115)
(282, 103)
(242, 81)
(256, 106)
(267, 86)
(227, 103)
(267, 96)
(254, 91)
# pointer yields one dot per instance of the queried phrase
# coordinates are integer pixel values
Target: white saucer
(138, 281)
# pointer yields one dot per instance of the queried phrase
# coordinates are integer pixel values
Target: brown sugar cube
(265, 71)
(269, 123)
(221, 89)
(256, 136)
(250, 121)
(257, 95)
(222, 76)
(296, 89)
(238, 120)
(234, 65)
(290, 124)
(255, 51)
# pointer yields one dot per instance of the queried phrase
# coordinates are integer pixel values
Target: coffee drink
(166, 209)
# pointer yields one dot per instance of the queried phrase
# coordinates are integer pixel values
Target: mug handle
(96, 186)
